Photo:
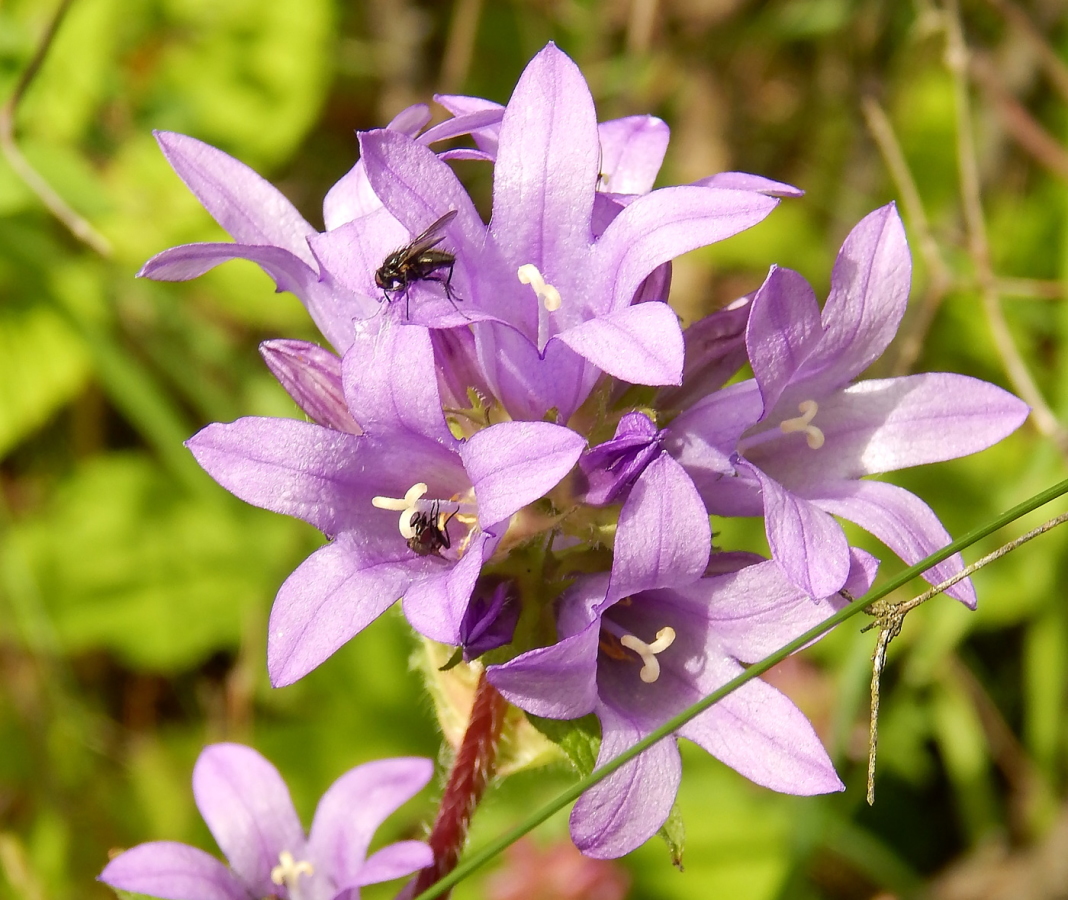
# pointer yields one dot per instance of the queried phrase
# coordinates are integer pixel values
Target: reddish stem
(472, 770)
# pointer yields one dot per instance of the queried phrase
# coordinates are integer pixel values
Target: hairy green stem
(479, 858)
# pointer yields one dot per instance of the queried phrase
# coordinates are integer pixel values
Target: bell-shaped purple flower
(548, 294)
(412, 511)
(312, 377)
(640, 645)
(801, 434)
(247, 807)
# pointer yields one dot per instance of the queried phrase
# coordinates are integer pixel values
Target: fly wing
(430, 237)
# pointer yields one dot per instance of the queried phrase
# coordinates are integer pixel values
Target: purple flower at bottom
(247, 807)
(641, 645)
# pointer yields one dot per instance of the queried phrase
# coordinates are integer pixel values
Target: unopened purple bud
(456, 359)
(312, 377)
(612, 467)
(491, 617)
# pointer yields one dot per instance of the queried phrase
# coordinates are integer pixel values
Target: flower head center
(813, 436)
(289, 870)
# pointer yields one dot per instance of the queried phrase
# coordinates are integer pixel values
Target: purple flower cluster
(524, 384)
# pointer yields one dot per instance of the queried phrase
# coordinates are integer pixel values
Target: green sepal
(454, 660)
(580, 739)
(673, 831)
(130, 895)
(452, 692)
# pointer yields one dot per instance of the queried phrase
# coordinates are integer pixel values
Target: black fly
(431, 534)
(419, 261)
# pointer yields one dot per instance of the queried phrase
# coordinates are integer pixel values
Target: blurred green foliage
(135, 592)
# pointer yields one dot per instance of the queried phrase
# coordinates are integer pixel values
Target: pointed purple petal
(869, 292)
(663, 538)
(784, 328)
(246, 805)
(466, 153)
(641, 344)
(435, 606)
(758, 732)
(514, 463)
(459, 105)
(468, 123)
(411, 119)
(173, 871)
(352, 196)
(743, 181)
(632, 150)
(312, 377)
(546, 169)
(251, 209)
(354, 251)
(623, 811)
(555, 682)
(395, 861)
(390, 384)
(418, 188)
(332, 596)
(189, 261)
(902, 521)
(809, 545)
(289, 467)
(659, 226)
(332, 307)
(756, 610)
(351, 810)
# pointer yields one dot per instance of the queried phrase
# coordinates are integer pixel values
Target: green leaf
(43, 365)
(128, 562)
(580, 739)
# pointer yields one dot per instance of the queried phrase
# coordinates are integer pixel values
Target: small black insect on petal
(419, 261)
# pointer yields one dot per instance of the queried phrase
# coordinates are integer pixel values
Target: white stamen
(548, 296)
(407, 507)
(289, 870)
(813, 436)
(650, 672)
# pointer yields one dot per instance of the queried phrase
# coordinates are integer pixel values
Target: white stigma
(650, 672)
(803, 422)
(289, 870)
(407, 507)
(548, 296)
